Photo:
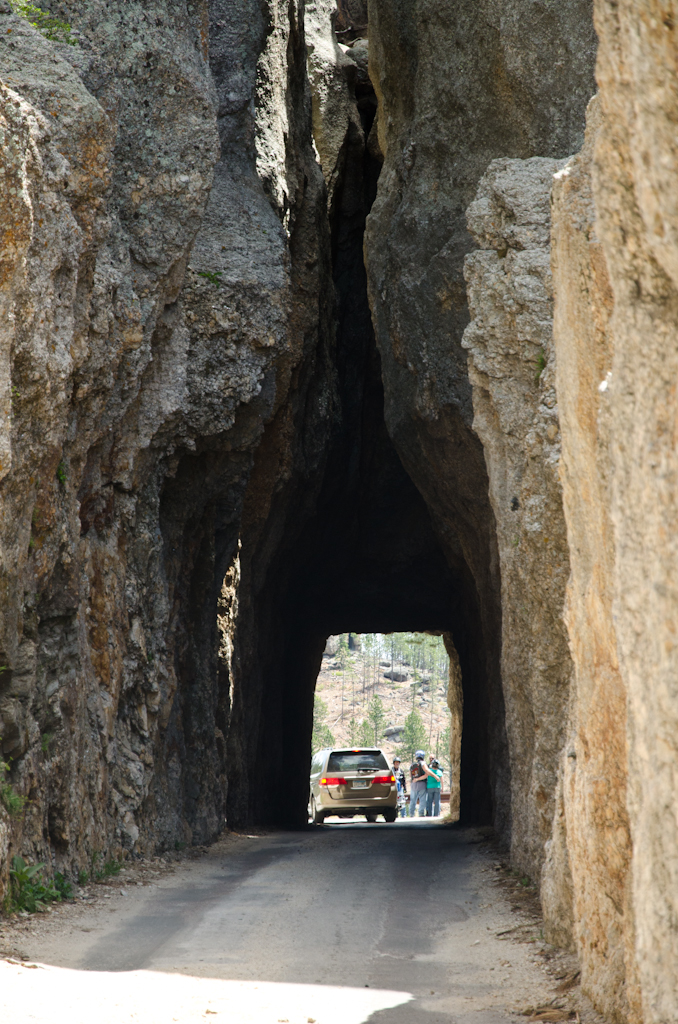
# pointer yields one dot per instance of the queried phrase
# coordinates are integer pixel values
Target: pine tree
(413, 737)
(377, 717)
(321, 737)
(365, 734)
(343, 655)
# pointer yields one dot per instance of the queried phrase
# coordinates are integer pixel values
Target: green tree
(377, 717)
(353, 730)
(344, 661)
(322, 737)
(342, 650)
(413, 737)
(365, 734)
(368, 650)
(443, 745)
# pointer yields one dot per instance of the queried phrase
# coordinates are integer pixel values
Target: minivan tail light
(332, 782)
(383, 779)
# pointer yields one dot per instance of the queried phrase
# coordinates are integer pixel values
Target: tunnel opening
(321, 530)
(365, 559)
(399, 693)
(343, 542)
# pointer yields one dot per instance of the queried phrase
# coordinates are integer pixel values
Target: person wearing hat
(434, 775)
(401, 783)
(418, 784)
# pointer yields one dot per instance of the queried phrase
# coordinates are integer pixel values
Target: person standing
(401, 783)
(418, 784)
(434, 776)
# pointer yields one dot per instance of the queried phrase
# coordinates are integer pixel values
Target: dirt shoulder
(56, 934)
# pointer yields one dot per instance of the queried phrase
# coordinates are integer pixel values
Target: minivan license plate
(361, 784)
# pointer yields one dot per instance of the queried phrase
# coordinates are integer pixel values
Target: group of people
(425, 784)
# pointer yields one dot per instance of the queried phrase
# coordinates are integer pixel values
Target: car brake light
(383, 779)
(332, 782)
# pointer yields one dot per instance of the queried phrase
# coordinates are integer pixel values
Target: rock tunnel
(311, 316)
(280, 442)
(366, 557)
(357, 549)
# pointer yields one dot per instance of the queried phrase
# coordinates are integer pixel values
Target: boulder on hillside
(397, 675)
(331, 647)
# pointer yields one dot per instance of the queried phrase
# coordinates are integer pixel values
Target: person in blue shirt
(434, 778)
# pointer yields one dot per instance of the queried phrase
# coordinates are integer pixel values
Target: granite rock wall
(634, 190)
(616, 316)
(511, 369)
(162, 259)
(609, 874)
(595, 761)
(461, 84)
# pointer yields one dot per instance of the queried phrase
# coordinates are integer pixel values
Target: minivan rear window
(352, 760)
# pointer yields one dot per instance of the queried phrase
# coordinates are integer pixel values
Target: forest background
(387, 690)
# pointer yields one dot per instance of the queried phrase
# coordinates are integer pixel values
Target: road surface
(340, 924)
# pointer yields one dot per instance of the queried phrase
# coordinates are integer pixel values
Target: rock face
(336, 123)
(634, 190)
(615, 272)
(595, 762)
(350, 18)
(512, 373)
(443, 116)
(396, 676)
(146, 290)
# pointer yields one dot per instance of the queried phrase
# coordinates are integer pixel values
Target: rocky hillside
(347, 684)
(326, 316)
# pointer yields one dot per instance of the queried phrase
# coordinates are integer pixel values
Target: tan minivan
(352, 781)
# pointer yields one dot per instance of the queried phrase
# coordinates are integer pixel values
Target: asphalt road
(393, 924)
